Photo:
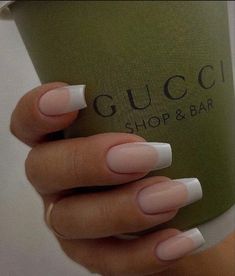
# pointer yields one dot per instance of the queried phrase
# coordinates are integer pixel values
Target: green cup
(158, 69)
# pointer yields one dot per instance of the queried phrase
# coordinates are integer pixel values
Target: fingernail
(139, 157)
(180, 245)
(63, 100)
(166, 196)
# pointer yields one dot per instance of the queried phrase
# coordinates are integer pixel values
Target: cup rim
(5, 4)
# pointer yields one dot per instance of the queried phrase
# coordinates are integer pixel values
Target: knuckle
(31, 167)
(12, 126)
(28, 166)
(33, 170)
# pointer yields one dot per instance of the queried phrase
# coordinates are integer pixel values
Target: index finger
(46, 109)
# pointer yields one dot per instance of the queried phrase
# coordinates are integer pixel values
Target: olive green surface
(114, 47)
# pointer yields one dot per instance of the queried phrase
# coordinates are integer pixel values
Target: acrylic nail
(139, 157)
(169, 195)
(180, 245)
(63, 100)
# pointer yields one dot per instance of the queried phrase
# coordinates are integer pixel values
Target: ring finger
(128, 208)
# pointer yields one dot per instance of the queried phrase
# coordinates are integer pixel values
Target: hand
(86, 224)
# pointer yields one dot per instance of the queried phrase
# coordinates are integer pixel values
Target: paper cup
(158, 69)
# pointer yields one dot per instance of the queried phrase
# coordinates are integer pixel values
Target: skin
(86, 221)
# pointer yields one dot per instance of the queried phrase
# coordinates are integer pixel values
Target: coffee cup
(157, 69)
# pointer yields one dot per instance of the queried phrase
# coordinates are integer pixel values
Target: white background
(27, 248)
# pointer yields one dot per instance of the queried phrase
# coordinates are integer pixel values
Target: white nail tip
(180, 245)
(164, 154)
(195, 235)
(77, 97)
(194, 189)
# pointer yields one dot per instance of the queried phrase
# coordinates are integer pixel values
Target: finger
(143, 256)
(46, 109)
(102, 159)
(129, 208)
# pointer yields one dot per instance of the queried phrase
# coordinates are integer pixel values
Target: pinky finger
(146, 255)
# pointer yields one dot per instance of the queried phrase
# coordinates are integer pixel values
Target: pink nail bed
(166, 196)
(139, 157)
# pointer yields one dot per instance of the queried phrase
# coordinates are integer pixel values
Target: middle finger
(98, 160)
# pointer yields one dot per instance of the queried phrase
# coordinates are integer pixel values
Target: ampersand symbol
(179, 115)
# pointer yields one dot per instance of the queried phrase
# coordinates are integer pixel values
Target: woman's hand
(87, 223)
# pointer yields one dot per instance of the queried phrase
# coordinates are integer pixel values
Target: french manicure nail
(63, 100)
(139, 157)
(180, 245)
(166, 196)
